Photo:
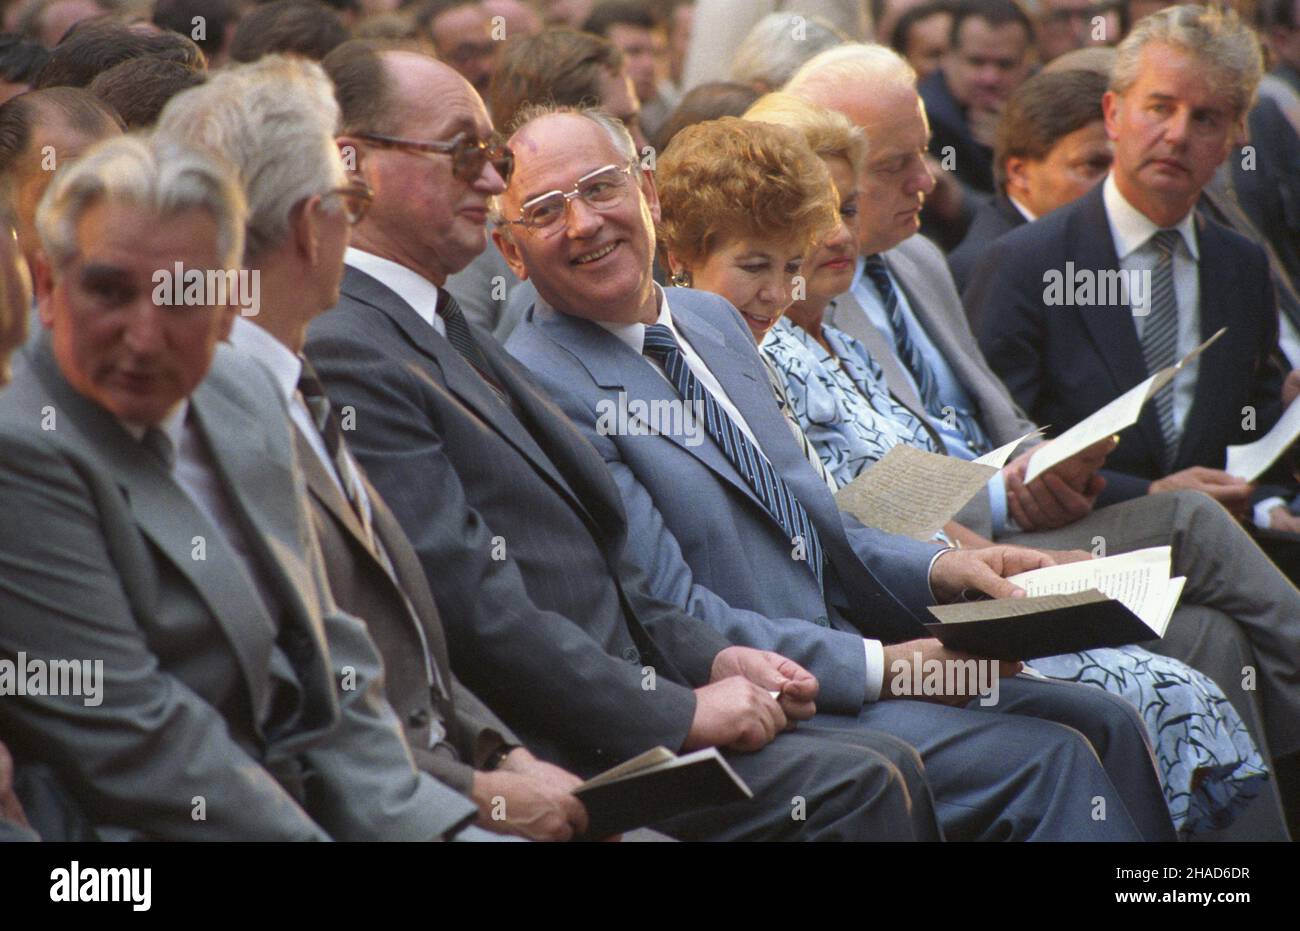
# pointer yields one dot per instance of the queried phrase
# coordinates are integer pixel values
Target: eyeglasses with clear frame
(356, 198)
(601, 190)
(468, 153)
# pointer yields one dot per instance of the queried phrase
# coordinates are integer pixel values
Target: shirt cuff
(998, 504)
(930, 571)
(875, 669)
(1262, 519)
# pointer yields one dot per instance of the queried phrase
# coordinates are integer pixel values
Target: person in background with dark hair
(560, 65)
(138, 89)
(988, 59)
(49, 21)
(39, 132)
(632, 26)
(706, 102)
(1061, 26)
(88, 51)
(290, 27)
(463, 37)
(20, 62)
(1051, 149)
(214, 30)
(921, 36)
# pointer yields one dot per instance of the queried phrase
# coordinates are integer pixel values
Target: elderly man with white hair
(273, 121)
(905, 309)
(222, 694)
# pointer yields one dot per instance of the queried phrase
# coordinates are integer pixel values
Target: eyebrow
(551, 190)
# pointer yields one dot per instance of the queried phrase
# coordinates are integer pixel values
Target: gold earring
(681, 278)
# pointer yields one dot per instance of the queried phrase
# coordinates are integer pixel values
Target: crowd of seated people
(314, 523)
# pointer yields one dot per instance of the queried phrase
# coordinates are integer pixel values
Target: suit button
(631, 655)
(418, 719)
(823, 621)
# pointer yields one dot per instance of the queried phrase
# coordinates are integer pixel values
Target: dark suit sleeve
(1011, 326)
(151, 746)
(552, 674)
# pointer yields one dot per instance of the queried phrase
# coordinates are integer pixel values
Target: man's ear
(509, 250)
(1017, 176)
(1110, 105)
(651, 193)
(304, 229)
(43, 282)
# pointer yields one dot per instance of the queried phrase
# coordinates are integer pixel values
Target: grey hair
(864, 63)
(157, 175)
(274, 120)
(778, 44)
(1219, 39)
(530, 113)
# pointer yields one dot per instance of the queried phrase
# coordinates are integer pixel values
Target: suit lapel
(457, 376)
(245, 459)
(172, 522)
(848, 315)
(615, 368)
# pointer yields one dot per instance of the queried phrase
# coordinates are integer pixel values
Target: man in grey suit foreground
(222, 695)
(273, 121)
(517, 523)
(708, 544)
(1239, 617)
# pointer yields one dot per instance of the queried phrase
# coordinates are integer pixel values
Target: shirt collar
(173, 425)
(410, 286)
(1024, 211)
(1131, 228)
(633, 334)
(284, 364)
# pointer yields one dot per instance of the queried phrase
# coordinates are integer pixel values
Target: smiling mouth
(762, 322)
(596, 255)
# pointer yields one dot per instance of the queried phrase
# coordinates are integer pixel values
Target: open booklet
(655, 785)
(1119, 414)
(1106, 602)
(913, 493)
(1250, 460)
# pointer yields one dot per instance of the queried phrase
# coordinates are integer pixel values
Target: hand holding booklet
(655, 785)
(1106, 602)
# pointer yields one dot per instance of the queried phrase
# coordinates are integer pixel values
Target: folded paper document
(1118, 415)
(1107, 602)
(656, 785)
(1250, 460)
(912, 492)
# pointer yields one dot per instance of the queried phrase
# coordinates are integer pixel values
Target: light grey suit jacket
(920, 269)
(127, 570)
(697, 528)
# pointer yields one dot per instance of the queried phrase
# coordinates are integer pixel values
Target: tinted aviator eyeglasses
(601, 190)
(468, 153)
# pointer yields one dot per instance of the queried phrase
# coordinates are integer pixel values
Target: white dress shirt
(1132, 231)
(410, 286)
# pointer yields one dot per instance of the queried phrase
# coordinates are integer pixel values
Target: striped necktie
(462, 340)
(909, 354)
(1160, 334)
(327, 424)
(762, 479)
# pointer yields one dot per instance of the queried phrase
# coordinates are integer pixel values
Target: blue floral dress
(1208, 764)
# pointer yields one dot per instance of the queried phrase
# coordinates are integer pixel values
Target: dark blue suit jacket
(993, 220)
(1063, 363)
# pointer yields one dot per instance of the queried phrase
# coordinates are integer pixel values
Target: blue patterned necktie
(1160, 335)
(762, 479)
(910, 355)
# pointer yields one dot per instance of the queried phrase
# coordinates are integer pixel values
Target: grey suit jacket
(698, 529)
(919, 268)
(411, 649)
(127, 570)
(520, 532)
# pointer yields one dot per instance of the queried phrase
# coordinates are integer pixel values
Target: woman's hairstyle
(733, 177)
(829, 133)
